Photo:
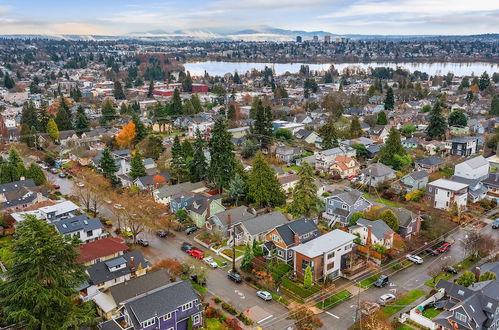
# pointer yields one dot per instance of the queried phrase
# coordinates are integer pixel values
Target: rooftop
(324, 243)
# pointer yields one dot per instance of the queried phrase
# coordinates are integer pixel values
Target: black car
(142, 242)
(191, 230)
(432, 252)
(234, 277)
(186, 247)
(381, 281)
(161, 233)
(451, 270)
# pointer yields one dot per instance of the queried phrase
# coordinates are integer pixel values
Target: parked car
(80, 184)
(54, 170)
(212, 263)
(416, 259)
(191, 230)
(381, 281)
(444, 248)
(451, 270)
(495, 224)
(161, 233)
(142, 242)
(264, 295)
(186, 247)
(432, 252)
(62, 175)
(196, 253)
(56, 186)
(386, 299)
(235, 277)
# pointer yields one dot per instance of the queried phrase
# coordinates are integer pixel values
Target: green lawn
(198, 288)
(466, 263)
(366, 195)
(228, 253)
(291, 168)
(442, 276)
(368, 282)
(220, 263)
(431, 313)
(334, 299)
(386, 202)
(298, 289)
(213, 324)
(404, 327)
(403, 301)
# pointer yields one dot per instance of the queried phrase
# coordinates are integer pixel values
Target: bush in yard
(211, 312)
(229, 308)
(216, 300)
(244, 319)
(466, 279)
(307, 277)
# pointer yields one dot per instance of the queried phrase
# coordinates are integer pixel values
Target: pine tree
(392, 148)
(484, 81)
(53, 130)
(262, 127)
(151, 89)
(40, 290)
(263, 186)
(29, 115)
(198, 164)
(26, 136)
(43, 119)
(355, 128)
(305, 200)
(118, 92)
(16, 161)
(62, 120)
(140, 128)
(231, 112)
(35, 172)
(458, 118)
(188, 108)
(196, 103)
(178, 164)
(82, 124)
(8, 82)
(494, 105)
(176, 104)
(236, 79)
(381, 119)
(223, 163)
(328, 134)
(35, 137)
(137, 168)
(389, 100)
(108, 166)
(437, 125)
(108, 112)
(307, 277)
(237, 189)
(187, 83)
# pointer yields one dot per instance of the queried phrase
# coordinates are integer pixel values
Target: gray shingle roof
(418, 175)
(6, 187)
(264, 223)
(430, 161)
(185, 187)
(139, 285)
(476, 162)
(379, 227)
(99, 272)
(378, 170)
(80, 222)
(299, 227)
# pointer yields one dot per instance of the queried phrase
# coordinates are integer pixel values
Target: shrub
(243, 318)
(229, 308)
(216, 300)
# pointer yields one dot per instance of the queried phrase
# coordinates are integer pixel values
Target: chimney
(296, 239)
(132, 264)
(229, 224)
(477, 274)
(208, 210)
(369, 232)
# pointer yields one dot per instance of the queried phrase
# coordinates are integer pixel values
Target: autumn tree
(53, 130)
(391, 219)
(488, 276)
(305, 319)
(172, 267)
(127, 134)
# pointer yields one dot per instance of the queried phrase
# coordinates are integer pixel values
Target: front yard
(442, 276)
(333, 300)
(403, 301)
(368, 282)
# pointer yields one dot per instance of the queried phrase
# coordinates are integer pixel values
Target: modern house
(281, 239)
(463, 145)
(101, 250)
(373, 232)
(444, 193)
(87, 230)
(430, 164)
(476, 168)
(326, 255)
(416, 180)
(341, 205)
(65, 209)
(377, 174)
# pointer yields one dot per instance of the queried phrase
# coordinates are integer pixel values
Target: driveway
(65, 184)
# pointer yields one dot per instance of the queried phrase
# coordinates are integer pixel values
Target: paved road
(65, 184)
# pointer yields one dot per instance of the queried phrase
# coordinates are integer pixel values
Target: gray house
(342, 204)
(288, 154)
(376, 174)
(415, 181)
(409, 222)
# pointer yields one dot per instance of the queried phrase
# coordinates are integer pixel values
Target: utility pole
(233, 249)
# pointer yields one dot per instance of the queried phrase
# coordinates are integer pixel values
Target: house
(281, 239)
(204, 127)
(257, 227)
(360, 140)
(326, 255)
(113, 271)
(345, 166)
(492, 185)
(306, 135)
(373, 232)
(87, 230)
(463, 145)
(342, 205)
(379, 132)
(168, 307)
(17, 196)
(412, 142)
(324, 159)
(101, 250)
(152, 181)
(476, 168)
(288, 181)
(433, 147)
(409, 222)
(109, 303)
(416, 180)
(476, 189)
(164, 194)
(376, 174)
(202, 206)
(220, 221)
(473, 307)
(430, 164)
(444, 193)
(288, 154)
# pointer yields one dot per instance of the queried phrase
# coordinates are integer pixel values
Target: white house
(87, 230)
(475, 168)
(444, 193)
(373, 232)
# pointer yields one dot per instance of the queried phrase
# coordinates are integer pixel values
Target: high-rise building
(298, 39)
(316, 38)
(327, 39)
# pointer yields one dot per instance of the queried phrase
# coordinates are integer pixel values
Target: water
(439, 68)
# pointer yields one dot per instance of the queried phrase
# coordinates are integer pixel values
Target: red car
(350, 178)
(196, 253)
(444, 247)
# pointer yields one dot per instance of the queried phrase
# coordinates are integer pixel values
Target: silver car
(212, 263)
(264, 295)
(386, 299)
(415, 259)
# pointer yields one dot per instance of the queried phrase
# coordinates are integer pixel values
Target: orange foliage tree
(126, 135)
(172, 266)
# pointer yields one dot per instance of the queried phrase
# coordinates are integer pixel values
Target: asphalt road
(66, 186)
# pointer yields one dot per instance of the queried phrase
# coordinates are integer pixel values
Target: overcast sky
(112, 17)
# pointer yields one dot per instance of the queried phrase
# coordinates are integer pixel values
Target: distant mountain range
(261, 33)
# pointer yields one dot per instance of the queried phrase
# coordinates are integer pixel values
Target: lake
(459, 69)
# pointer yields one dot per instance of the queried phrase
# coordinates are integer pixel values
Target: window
(330, 255)
(167, 316)
(349, 246)
(429, 189)
(186, 306)
(90, 233)
(460, 317)
(196, 318)
(148, 323)
(305, 236)
(330, 266)
(279, 253)
(276, 238)
(343, 206)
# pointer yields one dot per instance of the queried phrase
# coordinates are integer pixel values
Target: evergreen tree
(328, 134)
(53, 130)
(187, 83)
(237, 189)
(355, 128)
(35, 172)
(62, 119)
(188, 108)
(151, 89)
(307, 277)
(262, 127)
(29, 115)
(437, 125)
(16, 161)
(43, 119)
(236, 79)
(392, 148)
(381, 119)
(247, 258)
(458, 118)
(35, 137)
(108, 166)
(196, 103)
(82, 124)
(231, 112)
(40, 290)
(389, 99)
(176, 104)
(8, 82)
(108, 112)
(118, 92)
(178, 164)
(137, 168)
(390, 218)
(305, 200)
(26, 136)
(223, 163)
(494, 105)
(470, 97)
(484, 81)
(328, 78)
(466, 279)
(198, 164)
(140, 128)
(263, 186)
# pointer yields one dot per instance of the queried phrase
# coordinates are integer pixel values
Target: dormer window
(460, 292)
(460, 317)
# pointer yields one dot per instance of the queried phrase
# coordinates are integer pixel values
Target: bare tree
(477, 243)
(434, 271)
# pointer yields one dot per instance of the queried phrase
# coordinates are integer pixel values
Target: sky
(120, 17)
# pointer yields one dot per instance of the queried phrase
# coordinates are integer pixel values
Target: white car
(80, 184)
(386, 299)
(415, 259)
(265, 295)
(212, 263)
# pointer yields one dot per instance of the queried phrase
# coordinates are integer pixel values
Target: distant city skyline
(112, 17)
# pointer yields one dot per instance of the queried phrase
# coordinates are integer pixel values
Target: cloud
(270, 4)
